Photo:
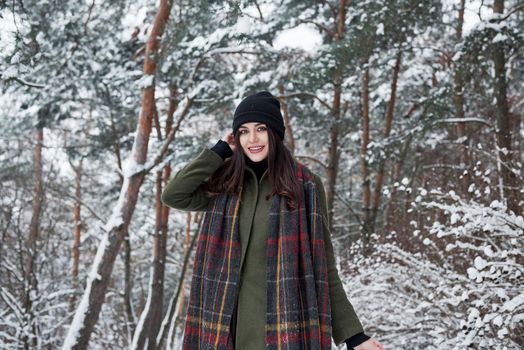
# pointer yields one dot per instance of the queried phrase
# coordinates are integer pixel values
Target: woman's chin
(256, 157)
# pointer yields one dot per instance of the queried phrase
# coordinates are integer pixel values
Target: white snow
(78, 321)
(243, 25)
(140, 325)
(146, 81)
(304, 37)
(480, 263)
(499, 38)
(380, 29)
(514, 304)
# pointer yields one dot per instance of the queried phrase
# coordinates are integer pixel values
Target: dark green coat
(185, 193)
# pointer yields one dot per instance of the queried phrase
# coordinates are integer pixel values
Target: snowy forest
(410, 111)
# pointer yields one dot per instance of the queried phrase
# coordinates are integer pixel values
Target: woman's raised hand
(230, 139)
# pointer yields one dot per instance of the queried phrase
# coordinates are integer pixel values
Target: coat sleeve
(344, 320)
(185, 190)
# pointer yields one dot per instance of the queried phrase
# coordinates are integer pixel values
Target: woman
(264, 275)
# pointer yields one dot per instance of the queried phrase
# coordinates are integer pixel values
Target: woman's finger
(379, 345)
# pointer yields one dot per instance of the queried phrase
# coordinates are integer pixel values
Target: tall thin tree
(30, 285)
(89, 307)
(334, 152)
(504, 126)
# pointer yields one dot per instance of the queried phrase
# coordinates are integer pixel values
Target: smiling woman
(264, 274)
(254, 140)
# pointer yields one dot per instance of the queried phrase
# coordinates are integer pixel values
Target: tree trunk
(459, 110)
(379, 180)
(334, 153)
(392, 209)
(128, 286)
(88, 310)
(116, 146)
(77, 230)
(180, 313)
(30, 288)
(151, 317)
(504, 127)
(289, 130)
(159, 268)
(167, 323)
(364, 169)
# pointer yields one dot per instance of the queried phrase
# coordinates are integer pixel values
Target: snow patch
(303, 37)
(78, 321)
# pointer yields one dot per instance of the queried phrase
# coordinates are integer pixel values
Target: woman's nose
(253, 137)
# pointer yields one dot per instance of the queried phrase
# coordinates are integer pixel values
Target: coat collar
(257, 168)
(250, 170)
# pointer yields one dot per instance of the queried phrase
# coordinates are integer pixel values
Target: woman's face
(254, 140)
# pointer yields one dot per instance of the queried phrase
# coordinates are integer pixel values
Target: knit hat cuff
(251, 116)
(254, 114)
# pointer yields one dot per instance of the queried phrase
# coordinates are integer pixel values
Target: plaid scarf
(298, 312)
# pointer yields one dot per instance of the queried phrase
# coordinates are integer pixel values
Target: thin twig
(306, 94)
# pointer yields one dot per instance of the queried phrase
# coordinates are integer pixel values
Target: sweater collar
(259, 168)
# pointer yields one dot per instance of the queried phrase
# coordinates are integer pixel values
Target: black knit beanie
(260, 107)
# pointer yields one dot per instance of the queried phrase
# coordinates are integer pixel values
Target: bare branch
(315, 160)
(170, 137)
(259, 11)
(27, 83)
(320, 26)
(226, 50)
(61, 192)
(88, 16)
(513, 10)
(463, 120)
(307, 94)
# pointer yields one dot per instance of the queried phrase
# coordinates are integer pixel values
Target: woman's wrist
(356, 340)
(222, 149)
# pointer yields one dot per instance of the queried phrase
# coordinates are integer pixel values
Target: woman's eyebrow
(245, 127)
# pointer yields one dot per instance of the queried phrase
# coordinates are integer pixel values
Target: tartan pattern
(298, 313)
(215, 277)
(298, 307)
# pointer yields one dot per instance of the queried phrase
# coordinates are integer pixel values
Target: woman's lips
(256, 149)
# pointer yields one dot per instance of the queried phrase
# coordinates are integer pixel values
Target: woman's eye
(260, 128)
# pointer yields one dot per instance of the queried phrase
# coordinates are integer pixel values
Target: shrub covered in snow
(463, 289)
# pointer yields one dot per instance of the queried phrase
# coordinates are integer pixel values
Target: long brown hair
(281, 171)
